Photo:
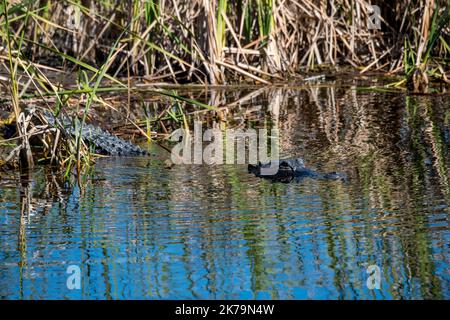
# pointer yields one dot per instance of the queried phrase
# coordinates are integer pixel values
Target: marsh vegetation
(75, 56)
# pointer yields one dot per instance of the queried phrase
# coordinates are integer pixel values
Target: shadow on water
(140, 230)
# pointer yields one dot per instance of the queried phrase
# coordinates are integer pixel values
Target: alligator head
(288, 170)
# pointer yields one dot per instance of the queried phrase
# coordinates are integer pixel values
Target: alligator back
(103, 141)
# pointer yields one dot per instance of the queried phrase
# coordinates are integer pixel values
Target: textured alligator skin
(290, 169)
(103, 141)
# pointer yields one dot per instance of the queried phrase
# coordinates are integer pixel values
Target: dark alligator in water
(107, 143)
(103, 141)
(290, 169)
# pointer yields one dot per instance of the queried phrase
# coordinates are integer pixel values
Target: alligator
(290, 169)
(106, 143)
(109, 144)
(103, 141)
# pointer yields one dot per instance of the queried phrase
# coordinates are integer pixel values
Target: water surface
(139, 230)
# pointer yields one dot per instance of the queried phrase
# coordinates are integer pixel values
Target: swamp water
(139, 230)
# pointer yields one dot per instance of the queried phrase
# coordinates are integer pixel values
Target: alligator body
(103, 141)
(290, 169)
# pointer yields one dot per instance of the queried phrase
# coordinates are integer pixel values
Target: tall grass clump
(419, 52)
(13, 59)
(225, 41)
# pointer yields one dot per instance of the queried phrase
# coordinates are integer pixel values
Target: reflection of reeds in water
(388, 147)
(393, 148)
(436, 152)
(382, 145)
